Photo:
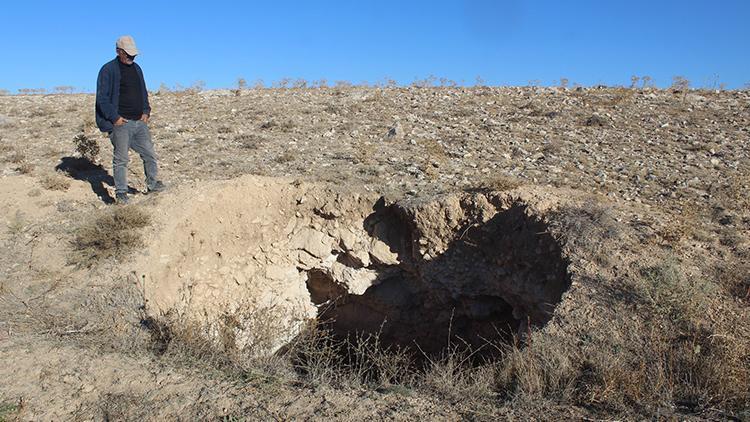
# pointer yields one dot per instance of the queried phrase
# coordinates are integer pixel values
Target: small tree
(680, 84)
(64, 89)
(197, 86)
(634, 81)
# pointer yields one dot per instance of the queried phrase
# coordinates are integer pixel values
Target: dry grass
(734, 277)
(55, 181)
(249, 141)
(587, 229)
(17, 157)
(500, 183)
(17, 224)
(25, 168)
(112, 234)
(285, 157)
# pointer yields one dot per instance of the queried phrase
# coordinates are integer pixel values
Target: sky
(46, 44)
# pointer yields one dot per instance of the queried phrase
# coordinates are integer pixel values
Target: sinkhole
(493, 282)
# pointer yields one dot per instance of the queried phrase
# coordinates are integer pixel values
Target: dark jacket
(108, 95)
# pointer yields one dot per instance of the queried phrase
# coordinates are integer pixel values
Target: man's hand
(144, 118)
(120, 121)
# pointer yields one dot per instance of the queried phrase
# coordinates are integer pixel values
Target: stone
(382, 254)
(313, 241)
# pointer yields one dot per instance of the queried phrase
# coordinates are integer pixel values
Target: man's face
(125, 57)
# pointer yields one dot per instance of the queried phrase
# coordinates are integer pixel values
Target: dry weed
(25, 168)
(55, 181)
(587, 229)
(500, 183)
(111, 234)
(734, 277)
(17, 157)
(17, 224)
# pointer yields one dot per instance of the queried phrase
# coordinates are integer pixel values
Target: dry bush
(87, 147)
(17, 224)
(241, 343)
(595, 120)
(55, 181)
(501, 183)
(17, 157)
(25, 168)
(285, 157)
(249, 140)
(677, 298)
(39, 112)
(586, 229)
(734, 277)
(547, 367)
(359, 360)
(111, 234)
(671, 354)
(453, 376)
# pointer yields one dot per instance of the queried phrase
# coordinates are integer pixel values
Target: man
(122, 110)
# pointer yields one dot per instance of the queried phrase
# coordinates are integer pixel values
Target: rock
(382, 254)
(356, 281)
(317, 243)
(395, 132)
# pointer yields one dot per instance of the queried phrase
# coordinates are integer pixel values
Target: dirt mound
(273, 252)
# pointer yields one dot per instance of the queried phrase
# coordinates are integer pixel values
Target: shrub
(500, 183)
(680, 84)
(55, 181)
(112, 234)
(86, 147)
(586, 228)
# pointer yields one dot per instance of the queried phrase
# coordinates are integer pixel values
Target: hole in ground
(494, 281)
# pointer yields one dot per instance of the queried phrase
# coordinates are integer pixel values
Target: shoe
(158, 187)
(121, 199)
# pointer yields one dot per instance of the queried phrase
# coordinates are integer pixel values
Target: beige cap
(127, 43)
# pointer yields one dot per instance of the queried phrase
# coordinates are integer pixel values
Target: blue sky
(52, 43)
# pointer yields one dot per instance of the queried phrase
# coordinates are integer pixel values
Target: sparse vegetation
(285, 157)
(87, 147)
(9, 411)
(17, 224)
(501, 183)
(663, 329)
(680, 84)
(587, 228)
(55, 181)
(25, 168)
(112, 234)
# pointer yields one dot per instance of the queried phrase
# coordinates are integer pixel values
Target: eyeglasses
(127, 55)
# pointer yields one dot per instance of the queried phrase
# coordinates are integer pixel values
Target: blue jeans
(133, 134)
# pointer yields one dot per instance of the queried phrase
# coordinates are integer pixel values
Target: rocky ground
(644, 192)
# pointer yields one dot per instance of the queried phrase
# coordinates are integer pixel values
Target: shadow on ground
(83, 169)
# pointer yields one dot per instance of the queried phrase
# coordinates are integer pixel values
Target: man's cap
(127, 43)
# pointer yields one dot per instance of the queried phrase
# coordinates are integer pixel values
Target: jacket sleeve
(104, 94)
(146, 105)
